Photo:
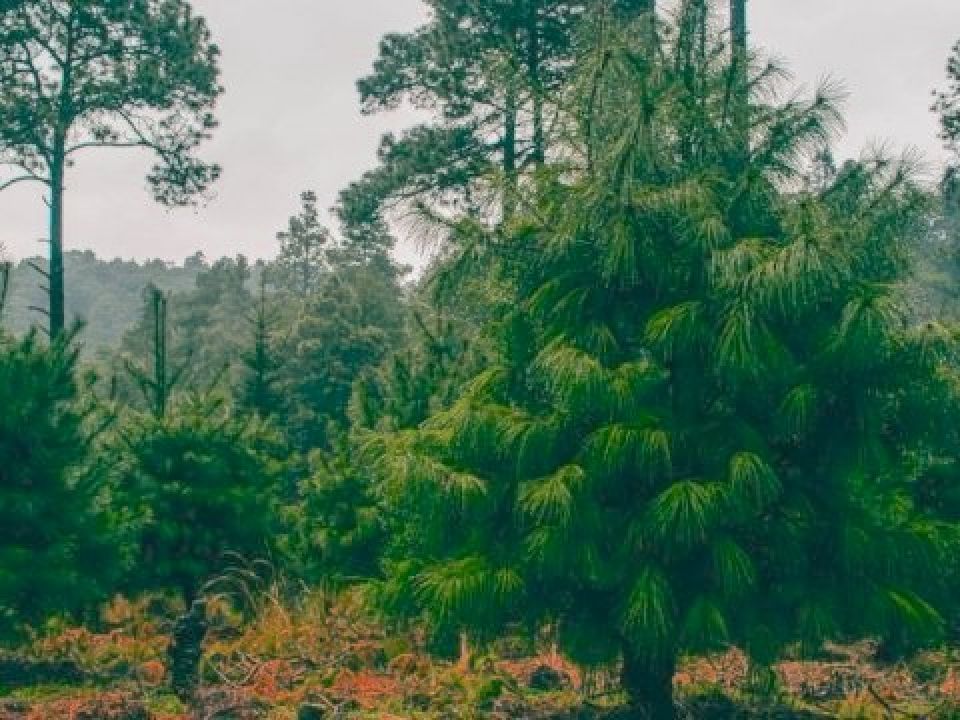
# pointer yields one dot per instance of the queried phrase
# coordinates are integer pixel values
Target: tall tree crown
(698, 431)
(111, 73)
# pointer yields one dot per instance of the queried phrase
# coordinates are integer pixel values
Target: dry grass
(267, 658)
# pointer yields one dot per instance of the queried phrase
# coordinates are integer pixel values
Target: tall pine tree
(705, 420)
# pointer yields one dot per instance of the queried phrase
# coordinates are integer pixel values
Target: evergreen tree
(707, 418)
(206, 327)
(339, 528)
(195, 478)
(56, 548)
(341, 331)
(104, 74)
(157, 381)
(302, 262)
(196, 485)
(487, 69)
(947, 104)
(259, 392)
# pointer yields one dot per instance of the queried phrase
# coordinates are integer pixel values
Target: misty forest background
(675, 378)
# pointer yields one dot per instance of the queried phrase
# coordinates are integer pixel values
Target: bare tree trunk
(57, 317)
(160, 370)
(536, 81)
(739, 64)
(510, 153)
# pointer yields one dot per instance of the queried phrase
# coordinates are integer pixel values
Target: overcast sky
(290, 118)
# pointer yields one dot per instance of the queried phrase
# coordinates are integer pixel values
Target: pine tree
(345, 328)
(56, 545)
(487, 69)
(947, 104)
(302, 261)
(259, 393)
(206, 327)
(339, 529)
(194, 479)
(104, 74)
(708, 417)
(157, 380)
(196, 486)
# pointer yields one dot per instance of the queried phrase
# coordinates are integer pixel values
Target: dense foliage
(55, 554)
(708, 416)
(673, 381)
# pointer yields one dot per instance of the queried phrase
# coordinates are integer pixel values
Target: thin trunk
(510, 153)
(650, 12)
(5, 269)
(56, 290)
(536, 82)
(261, 389)
(739, 64)
(160, 370)
(58, 165)
(648, 684)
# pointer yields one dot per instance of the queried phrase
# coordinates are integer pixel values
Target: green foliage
(194, 478)
(259, 392)
(207, 326)
(703, 424)
(947, 103)
(335, 530)
(481, 68)
(104, 74)
(338, 527)
(303, 259)
(345, 328)
(56, 553)
(192, 486)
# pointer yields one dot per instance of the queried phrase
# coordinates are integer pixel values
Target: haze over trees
(674, 381)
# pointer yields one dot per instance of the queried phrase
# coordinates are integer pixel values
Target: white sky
(290, 119)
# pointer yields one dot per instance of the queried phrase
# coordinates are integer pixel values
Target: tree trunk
(648, 684)
(536, 82)
(739, 62)
(510, 152)
(160, 370)
(5, 269)
(57, 317)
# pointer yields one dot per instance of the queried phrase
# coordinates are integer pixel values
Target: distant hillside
(106, 294)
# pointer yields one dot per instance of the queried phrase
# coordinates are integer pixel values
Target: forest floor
(326, 658)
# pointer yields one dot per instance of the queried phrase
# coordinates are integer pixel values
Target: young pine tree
(339, 529)
(704, 423)
(259, 392)
(194, 480)
(55, 544)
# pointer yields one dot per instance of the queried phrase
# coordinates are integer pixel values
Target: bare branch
(22, 179)
(39, 269)
(107, 144)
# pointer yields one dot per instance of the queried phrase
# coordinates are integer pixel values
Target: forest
(666, 426)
